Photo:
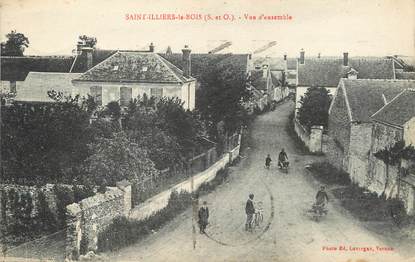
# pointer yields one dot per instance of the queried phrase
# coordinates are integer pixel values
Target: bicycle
(258, 216)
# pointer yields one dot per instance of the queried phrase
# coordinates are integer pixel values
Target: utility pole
(195, 201)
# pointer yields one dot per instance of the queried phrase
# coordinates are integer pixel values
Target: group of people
(282, 160)
(203, 214)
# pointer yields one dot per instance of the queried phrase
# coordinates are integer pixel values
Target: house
(37, 84)
(285, 68)
(15, 70)
(129, 74)
(260, 79)
(350, 125)
(326, 72)
(392, 123)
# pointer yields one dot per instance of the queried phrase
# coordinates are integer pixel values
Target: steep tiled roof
(37, 84)
(366, 96)
(275, 63)
(16, 68)
(325, 72)
(398, 111)
(199, 62)
(135, 66)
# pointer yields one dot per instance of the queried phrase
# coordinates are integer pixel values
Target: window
(156, 92)
(96, 93)
(126, 94)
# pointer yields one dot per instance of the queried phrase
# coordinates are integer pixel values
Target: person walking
(203, 217)
(250, 211)
(268, 161)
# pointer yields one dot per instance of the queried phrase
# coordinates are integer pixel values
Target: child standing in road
(267, 162)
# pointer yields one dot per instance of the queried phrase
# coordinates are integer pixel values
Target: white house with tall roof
(126, 75)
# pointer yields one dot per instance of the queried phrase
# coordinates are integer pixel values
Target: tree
(118, 158)
(314, 108)
(221, 96)
(163, 128)
(15, 44)
(87, 41)
(44, 142)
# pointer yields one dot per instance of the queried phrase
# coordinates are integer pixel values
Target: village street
(286, 234)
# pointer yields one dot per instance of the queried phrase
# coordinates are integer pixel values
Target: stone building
(393, 123)
(327, 71)
(350, 126)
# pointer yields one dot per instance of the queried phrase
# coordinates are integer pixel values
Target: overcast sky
(361, 27)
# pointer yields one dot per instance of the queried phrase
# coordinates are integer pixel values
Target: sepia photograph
(207, 131)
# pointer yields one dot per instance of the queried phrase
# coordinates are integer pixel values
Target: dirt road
(286, 233)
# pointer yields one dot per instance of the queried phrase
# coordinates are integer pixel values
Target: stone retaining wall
(313, 139)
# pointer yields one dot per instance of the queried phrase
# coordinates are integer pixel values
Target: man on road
(203, 217)
(250, 211)
(282, 159)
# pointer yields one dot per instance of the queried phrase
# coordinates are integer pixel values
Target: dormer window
(115, 68)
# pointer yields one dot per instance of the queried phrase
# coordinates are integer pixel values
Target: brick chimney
(345, 59)
(302, 56)
(151, 48)
(186, 61)
(86, 53)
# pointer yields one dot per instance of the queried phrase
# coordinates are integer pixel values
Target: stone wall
(34, 192)
(359, 151)
(407, 194)
(313, 139)
(160, 201)
(87, 218)
(382, 178)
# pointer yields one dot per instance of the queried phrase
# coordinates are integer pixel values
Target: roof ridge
(168, 67)
(393, 99)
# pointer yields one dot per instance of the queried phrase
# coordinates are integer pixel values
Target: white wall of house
(111, 91)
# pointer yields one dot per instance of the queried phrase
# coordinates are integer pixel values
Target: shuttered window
(126, 94)
(156, 92)
(96, 93)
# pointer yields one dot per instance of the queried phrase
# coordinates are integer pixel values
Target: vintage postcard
(216, 130)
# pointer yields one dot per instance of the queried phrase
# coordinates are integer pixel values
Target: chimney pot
(151, 48)
(302, 56)
(345, 59)
(186, 61)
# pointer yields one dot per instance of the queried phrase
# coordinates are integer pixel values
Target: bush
(326, 173)
(221, 176)
(123, 232)
(368, 206)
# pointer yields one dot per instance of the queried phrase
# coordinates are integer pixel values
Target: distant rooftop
(326, 72)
